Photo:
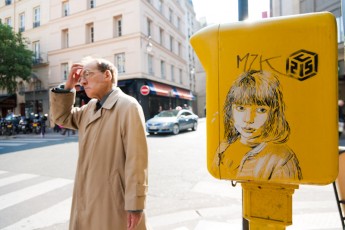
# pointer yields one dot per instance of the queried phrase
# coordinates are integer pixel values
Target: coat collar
(112, 98)
(108, 104)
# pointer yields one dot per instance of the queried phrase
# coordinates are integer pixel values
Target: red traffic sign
(145, 90)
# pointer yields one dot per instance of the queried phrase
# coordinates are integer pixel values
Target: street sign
(272, 99)
(145, 90)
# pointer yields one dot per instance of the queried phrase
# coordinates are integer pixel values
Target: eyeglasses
(86, 75)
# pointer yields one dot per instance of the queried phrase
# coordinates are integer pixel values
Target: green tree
(15, 58)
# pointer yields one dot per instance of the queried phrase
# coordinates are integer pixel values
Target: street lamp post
(149, 44)
(243, 15)
(192, 79)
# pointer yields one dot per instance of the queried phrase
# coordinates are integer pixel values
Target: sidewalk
(314, 208)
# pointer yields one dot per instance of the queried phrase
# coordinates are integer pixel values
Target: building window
(120, 62)
(21, 87)
(160, 6)
(36, 51)
(8, 2)
(178, 23)
(170, 15)
(22, 22)
(37, 16)
(180, 75)
(161, 36)
(64, 39)
(65, 8)
(118, 26)
(90, 33)
(149, 27)
(38, 86)
(162, 69)
(179, 49)
(91, 4)
(150, 64)
(8, 21)
(172, 73)
(171, 42)
(64, 71)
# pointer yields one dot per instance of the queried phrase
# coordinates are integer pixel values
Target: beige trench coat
(111, 174)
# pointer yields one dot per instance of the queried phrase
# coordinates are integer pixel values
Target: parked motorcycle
(10, 124)
(36, 124)
(24, 125)
(2, 126)
(9, 128)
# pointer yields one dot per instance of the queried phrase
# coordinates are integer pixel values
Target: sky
(223, 11)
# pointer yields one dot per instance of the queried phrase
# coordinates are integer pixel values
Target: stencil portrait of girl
(256, 132)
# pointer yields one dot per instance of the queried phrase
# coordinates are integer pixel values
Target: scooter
(24, 126)
(36, 124)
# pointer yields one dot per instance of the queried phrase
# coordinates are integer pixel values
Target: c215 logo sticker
(302, 65)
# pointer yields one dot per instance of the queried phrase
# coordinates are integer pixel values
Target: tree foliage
(15, 58)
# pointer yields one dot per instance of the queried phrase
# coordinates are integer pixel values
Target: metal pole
(243, 15)
(242, 10)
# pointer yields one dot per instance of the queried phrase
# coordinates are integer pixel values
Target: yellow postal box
(272, 99)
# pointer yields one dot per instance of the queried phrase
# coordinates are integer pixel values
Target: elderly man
(111, 178)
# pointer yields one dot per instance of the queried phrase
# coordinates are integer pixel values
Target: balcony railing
(36, 24)
(40, 59)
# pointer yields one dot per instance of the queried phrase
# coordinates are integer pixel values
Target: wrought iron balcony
(36, 24)
(39, 59)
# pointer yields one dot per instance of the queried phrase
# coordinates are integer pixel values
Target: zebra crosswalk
(29, 201)
(10, 144)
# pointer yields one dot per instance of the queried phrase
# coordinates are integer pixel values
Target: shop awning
(160, 89)
(184, 94)
(124, 83)
(169, 91)
(8, 100)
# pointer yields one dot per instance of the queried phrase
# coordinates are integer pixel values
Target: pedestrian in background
(341, 120)
(44, 118)
(111, 179)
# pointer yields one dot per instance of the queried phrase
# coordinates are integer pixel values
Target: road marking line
(40, 139)
(16, 178)
(11, 144)
(206, 224)
(19, 196)
(24, 141)
(56, 214)
(324, 220)
(173, 218)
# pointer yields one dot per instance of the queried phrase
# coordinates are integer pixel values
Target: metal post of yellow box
(268, 206)
(271, 100)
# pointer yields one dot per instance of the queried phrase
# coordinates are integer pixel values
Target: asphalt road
(36, 183)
